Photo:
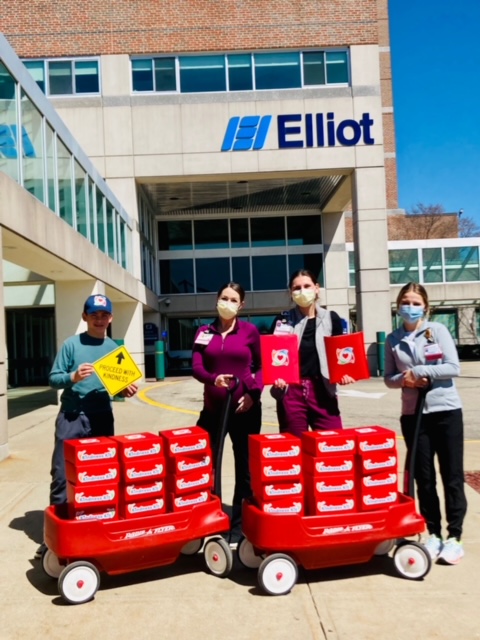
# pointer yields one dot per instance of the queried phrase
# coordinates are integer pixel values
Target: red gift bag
(346, 356)
(280, 358)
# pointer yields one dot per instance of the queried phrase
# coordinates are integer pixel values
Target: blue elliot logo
(297, 131)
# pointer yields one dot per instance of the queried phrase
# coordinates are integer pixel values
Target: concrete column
(69, 299)
(127, 325)
(372, 284)
(4, 449)
(335, 263)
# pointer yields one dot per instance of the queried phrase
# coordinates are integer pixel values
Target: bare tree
(468, 228)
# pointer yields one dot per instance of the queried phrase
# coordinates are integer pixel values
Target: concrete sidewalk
(183, 600)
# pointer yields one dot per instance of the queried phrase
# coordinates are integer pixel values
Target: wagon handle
(409, 472)
(232, 387)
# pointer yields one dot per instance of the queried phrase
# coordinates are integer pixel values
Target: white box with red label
(320, 443)
(183, 464)
(274, 445)
(106, 513)
(190, 482)
(142, 508)
(144, 469)
(377, 461)
(278, 469)
(277, 490)
(331, 504)
(143, 490)
(375, 438)
(283, 506)
(90, 450)
(186, 441)
(189, 500)
(135, 446)
(89, 473)
(377, 497)
(92, 496)
(316, 466)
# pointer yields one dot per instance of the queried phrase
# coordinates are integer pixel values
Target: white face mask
(227, 310)
(304, 297)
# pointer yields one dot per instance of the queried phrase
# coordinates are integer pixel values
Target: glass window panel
(81, 196)
(175, 235)
(101, 234)
(263, 323)
(212, 273)
(304, 230)
(8, 125)
(142, 75)
(351, 269)
(50, 166)
(403, 265)
(277, 70)
(313, 68)
(93, 212)
(32, 143)
(239, 233)
(449, 319)
(461, 264)
(269, 273)
(240, 76)
(181, 333)
(268, 232)
(211, 234)
(86, 76)
(37, 71)
(176, 276)
(337, 67)
(111, 231)
(202, 73)
(165, 78)
(60, 80)
(432, 265)
(311, 261)
(64, 169)
(241, 272)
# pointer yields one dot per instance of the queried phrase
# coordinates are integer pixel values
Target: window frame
(72, 60)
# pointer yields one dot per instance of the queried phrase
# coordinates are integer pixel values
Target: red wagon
(277, 544)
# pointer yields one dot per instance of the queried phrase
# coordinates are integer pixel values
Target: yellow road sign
(117, 370)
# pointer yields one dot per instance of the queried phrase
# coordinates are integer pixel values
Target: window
(403, 265)
(211, 273)
(432, 265)
(175, 235)
(240, 71)
(461, 264)
(65, 77)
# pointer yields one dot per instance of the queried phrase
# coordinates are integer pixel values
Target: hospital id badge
(204, 338)
(283, 329)
(432, 352)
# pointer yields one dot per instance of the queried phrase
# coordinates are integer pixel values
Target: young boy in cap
(86, 408)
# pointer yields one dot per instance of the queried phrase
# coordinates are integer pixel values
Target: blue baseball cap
(96, 303)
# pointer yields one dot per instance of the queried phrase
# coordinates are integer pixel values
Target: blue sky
(435, 46)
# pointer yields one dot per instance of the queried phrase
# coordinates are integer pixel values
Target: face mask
(411, 313)
(304, 297)
(227, 310)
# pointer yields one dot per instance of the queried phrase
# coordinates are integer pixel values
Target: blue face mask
(411, 313)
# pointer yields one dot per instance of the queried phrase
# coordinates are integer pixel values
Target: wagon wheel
(412, 560)
(384, 548)
(218, 557)
(79, 582)
(246, 554)
(192, 547)
(277, 574)
(51, 564)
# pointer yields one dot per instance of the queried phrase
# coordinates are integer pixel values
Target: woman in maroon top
(229, 348)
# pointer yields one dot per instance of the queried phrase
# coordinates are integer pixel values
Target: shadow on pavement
(26, 399)
(31, 524)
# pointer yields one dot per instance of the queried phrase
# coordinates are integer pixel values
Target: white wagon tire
(246, 554)
(218, 557)
(51, 564)
(79, 582)
(277, 574)
(384, 548)
(192, 547)
(412, 561)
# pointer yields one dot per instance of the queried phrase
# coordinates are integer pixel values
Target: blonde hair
(415, 288)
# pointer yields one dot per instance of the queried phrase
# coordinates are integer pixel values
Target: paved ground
(182, 600)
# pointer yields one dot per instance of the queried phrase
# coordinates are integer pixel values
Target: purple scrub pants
(307, 405)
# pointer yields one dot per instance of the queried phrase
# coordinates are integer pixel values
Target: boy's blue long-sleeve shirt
(89, 395)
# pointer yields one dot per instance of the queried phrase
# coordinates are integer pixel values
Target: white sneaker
(452, 552)
(433, 545)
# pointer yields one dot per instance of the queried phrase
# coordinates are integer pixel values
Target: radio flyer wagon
(276, 544)
(78, 551)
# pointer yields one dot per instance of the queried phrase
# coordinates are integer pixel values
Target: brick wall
(44, 28)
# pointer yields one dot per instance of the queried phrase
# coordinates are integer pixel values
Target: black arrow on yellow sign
(120, 357)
